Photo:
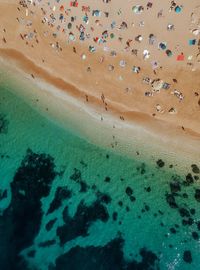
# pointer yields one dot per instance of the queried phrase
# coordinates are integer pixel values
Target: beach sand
(113, 98)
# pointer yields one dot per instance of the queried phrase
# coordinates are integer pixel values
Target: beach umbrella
(105, 34)
(178, 9)
(92, 48)
(71, 36)
(86, 19)
(163, 45)
(69, 26)
(137, 9)
(192, 42)
(112, 35)
(96, 13)
(169, 53)
(180, 57)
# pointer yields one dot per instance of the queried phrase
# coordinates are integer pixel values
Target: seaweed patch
(62, 193)
(108, 257)
(22, 219)
(80, 223)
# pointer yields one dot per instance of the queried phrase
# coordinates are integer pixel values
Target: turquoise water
(67, 204)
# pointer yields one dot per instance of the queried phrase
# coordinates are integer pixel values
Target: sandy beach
(153, 98)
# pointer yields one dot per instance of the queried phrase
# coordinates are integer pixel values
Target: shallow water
(67, 204)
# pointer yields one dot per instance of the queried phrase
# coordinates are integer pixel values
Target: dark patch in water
(198, 225)
(184, 212)
(62, 193)
(47, 243)
(187, 256)
(146, 207)
(3, 124)
(83, 163)
(195, 168)
(83, 186)
(108, 257)
(197, 195)
(80, 223)
(185, 196)
(175, 187)
(171, 200)
(107, 179)
(188, 179)
(50, 224)
(172, 230)
(76, 176)
(3, 194)
(114, 216)
(132, 198)
(21, 221)
(103, 197)
(93, 187)
(120, 203)
(192, 211)
(188, 222)
(149, 260)
(4, 156)
(195, 235)
(148, 189)
(31, 253)
(160, 163)
(141, 168)
(129, 191)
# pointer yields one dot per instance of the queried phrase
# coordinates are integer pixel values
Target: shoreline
(159, 139)
(100, 134)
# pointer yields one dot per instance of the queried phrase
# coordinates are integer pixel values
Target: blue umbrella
(178, 9)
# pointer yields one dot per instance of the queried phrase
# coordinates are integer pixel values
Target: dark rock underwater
(21, 222)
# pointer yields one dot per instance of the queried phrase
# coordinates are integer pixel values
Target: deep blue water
(67, 204)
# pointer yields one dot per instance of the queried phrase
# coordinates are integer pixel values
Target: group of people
(100, 28)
